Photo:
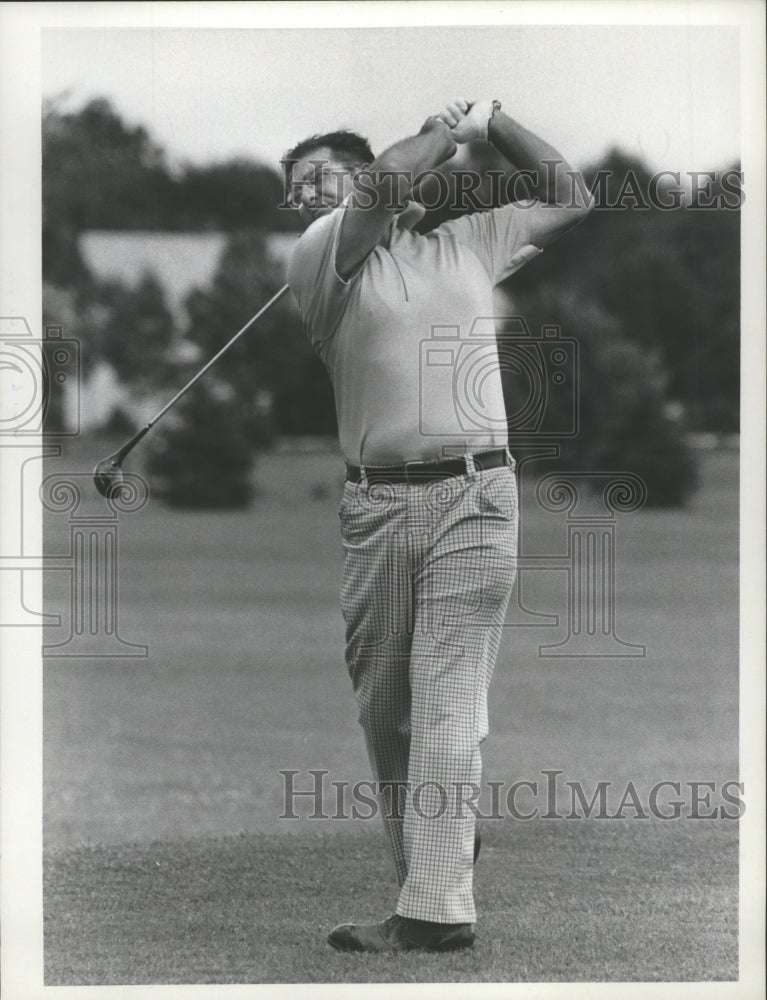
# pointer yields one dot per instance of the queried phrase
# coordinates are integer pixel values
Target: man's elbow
(580, 204)
(576, 213)
(554, 220)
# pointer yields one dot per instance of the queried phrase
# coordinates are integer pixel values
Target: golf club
(108, 475)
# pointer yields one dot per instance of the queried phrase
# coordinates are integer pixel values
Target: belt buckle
(406, 467)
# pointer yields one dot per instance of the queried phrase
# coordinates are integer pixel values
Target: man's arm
(561, 190)
(381, 190)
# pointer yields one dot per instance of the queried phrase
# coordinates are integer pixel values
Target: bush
(202, 456)
(626, 422)
(275, 356)
(119, 424)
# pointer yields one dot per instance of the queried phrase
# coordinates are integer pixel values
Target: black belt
(417, 473)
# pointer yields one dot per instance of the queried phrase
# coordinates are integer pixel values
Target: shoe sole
(457, 945)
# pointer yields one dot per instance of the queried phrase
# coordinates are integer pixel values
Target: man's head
(319, 171)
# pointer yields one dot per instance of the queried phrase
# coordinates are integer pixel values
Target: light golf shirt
(409, 339)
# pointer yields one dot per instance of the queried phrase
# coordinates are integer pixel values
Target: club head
(108, 477)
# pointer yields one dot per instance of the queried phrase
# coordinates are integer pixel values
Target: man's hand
(467, 120)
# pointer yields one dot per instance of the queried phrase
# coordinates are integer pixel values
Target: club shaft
(278, 295)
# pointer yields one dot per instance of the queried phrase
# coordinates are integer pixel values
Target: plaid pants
(428, 572)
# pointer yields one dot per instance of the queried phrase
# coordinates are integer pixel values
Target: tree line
(650, 295)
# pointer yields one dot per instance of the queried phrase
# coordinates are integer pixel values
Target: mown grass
(560, 902)
(145, 760)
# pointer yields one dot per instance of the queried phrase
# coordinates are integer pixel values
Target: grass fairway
(560, 902)
(166, 859)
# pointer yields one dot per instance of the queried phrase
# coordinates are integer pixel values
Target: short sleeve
(321, 294)
(500, 238)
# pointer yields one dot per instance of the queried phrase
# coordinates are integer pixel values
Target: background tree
(201, 455)
(131, 328)
(238, 194)
(100, 173)
(670, 277)
(625, 421)
(652, 295)
(275, 356)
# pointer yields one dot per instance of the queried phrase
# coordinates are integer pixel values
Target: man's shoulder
(310, 252)
(483, 217)
(500, 238)
(318, 233)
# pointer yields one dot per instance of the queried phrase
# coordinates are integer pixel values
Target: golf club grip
(278, 295)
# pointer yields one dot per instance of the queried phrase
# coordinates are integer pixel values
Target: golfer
(429, 508)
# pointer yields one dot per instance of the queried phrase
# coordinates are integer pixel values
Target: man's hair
(354, 149)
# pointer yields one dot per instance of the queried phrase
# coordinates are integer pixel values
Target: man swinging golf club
(429, 509)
